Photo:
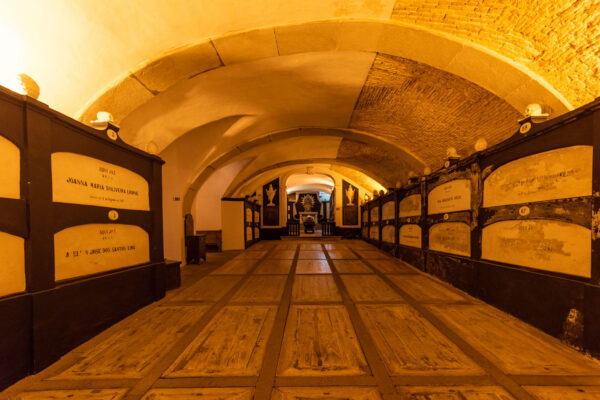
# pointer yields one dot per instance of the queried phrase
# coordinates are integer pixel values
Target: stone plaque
(554, 174)
(388, 233)
(374, 233)
(451, 237)
(88, 249)
(10, 169)
(387, 210)
(256, 216)
(12, 266)
(256, 233)
(542, 244)
(449, 197)
(248, 214)
(248, 233)
(410, 206)
(374, 214)
(78, 179)
(410, 235)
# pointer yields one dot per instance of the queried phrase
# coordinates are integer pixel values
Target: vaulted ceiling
(378, 87)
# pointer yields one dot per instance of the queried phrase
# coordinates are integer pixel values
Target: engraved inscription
(374, 214)
(542, 244)
(448, 197)
(12, 271)
(410, 206)
(374, 233)
(79, 179)
(410, 235)
(388, 233)
(451, 237)
(92, 248)
(554, 174)
(10, 169)
(387, 210)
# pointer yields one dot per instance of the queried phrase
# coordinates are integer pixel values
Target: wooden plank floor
(300, 320)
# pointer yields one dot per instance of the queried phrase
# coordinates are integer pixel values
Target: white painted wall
(207, 205)
(232, 224)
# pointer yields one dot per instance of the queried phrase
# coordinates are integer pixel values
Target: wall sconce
(103, 118)
(452, 157)
(534, 113)
(24, 84)
(481, 144)
(151, 148)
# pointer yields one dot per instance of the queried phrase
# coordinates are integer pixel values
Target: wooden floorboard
(320, 340)
(301, 320)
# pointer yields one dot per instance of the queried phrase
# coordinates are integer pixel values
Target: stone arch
(500, 75)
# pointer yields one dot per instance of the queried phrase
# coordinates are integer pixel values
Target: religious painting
(271, 203)
(349, 204)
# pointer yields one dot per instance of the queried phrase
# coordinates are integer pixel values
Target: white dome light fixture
(24, 84)
(481, 144)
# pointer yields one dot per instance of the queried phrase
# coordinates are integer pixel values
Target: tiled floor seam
(147, 382)
(266, 378)
(384, 382)
(40, 380)
(495, 373)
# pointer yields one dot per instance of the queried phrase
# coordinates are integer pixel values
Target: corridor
(300, 320)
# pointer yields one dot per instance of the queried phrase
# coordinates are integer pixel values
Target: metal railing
(328, 228)
(293, 228)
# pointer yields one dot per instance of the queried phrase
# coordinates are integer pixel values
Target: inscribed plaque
(451, 237)
(374, 233)
(10, 169)
(542, 244)
(410, 235)
(248, 214)
(12, 266)
(248, 233)
(374, 214)
(449, 197)
(388, 234)
(78, 179)
(554, 174)
(387, 210)
(256, 233)
(410, 206)
(92, 248)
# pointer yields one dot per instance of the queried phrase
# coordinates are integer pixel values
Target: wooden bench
(213, 238)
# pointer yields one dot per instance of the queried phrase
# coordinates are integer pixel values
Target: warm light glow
(11, 49)
(481, 144)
